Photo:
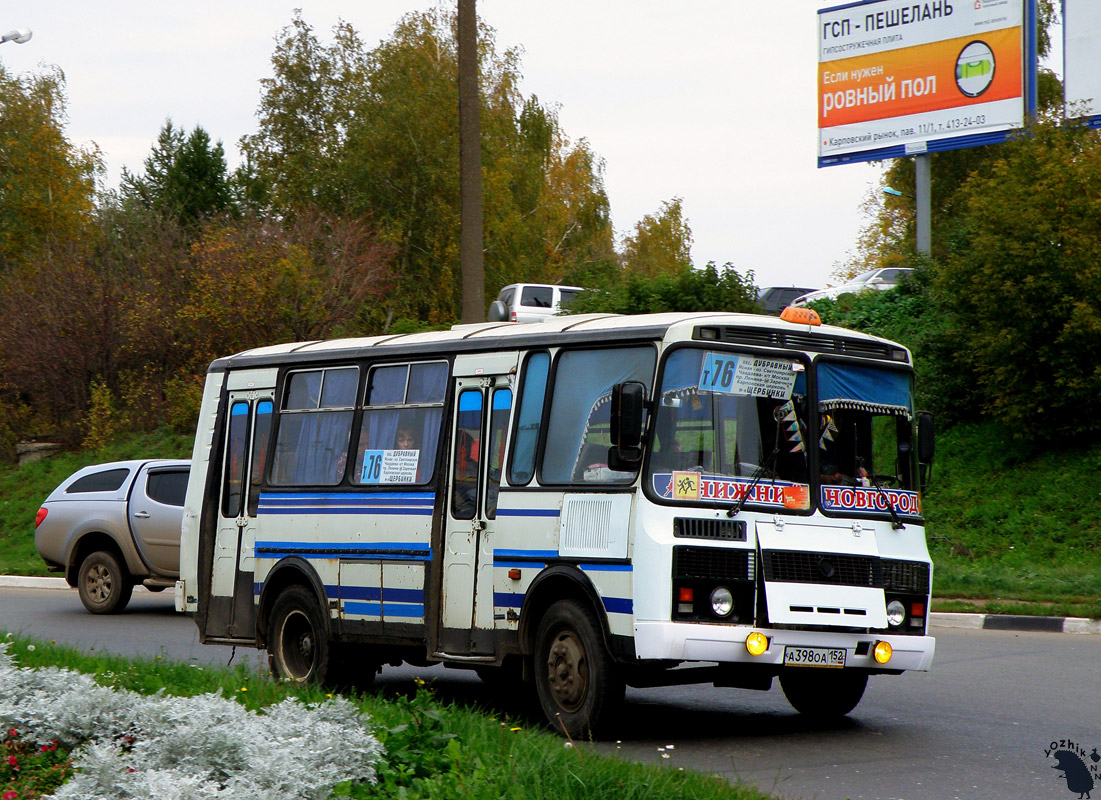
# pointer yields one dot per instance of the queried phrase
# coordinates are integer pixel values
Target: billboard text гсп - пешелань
(902, 72)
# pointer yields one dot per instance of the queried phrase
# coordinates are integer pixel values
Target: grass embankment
(1019, 531)
(433, 749)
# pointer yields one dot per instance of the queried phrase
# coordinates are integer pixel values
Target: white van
(531, 302)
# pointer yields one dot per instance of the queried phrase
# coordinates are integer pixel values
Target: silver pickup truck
(111, 526)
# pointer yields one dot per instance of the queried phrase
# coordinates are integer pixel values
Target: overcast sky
(712, 101)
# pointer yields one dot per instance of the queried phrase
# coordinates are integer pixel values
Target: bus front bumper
(685, 641)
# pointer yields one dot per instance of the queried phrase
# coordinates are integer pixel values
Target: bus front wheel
(299, 648)
(575, 678)
(822, 693)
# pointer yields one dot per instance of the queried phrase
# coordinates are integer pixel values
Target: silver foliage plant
(162, 747)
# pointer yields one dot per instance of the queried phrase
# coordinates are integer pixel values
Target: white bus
(576, 505)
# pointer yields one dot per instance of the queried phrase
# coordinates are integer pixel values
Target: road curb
(24, 582)
(938, 619)
(1015, 622)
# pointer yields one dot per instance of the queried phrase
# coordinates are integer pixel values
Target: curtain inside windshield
(865, 432)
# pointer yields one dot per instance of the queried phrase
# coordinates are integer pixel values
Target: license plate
(814, 656)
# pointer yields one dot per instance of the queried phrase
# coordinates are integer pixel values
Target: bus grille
(845, 570)
(713, 563)
(804, 567)
(729, 530)
(905, 576)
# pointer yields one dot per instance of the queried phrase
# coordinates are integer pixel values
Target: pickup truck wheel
(299, 645)
(823, 694)
(104, 586)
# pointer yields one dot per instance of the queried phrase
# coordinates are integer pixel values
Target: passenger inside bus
(464, 493)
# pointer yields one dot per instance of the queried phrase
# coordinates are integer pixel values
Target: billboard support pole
(923, 202)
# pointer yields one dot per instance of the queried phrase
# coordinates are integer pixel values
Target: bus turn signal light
(801, 316)
(883, 652)
(756, 643)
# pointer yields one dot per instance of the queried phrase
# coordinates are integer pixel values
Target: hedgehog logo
(1080, 771)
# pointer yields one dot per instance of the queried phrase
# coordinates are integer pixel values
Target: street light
(19, 36)
(894, 192)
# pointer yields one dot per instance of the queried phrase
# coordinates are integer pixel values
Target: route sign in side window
(400, 432)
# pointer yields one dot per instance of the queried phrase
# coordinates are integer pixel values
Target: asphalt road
(974, 727)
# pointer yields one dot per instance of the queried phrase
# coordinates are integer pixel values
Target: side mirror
(925, 446)
(498, 312)
(628, 409)
(926, 437)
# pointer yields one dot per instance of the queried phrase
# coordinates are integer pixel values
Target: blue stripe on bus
(359, 593)
(420, 512)
(346, 500)
(271, 496)
(606, 567)
(618, 605)
(528, 512)
(372, 551)
(364, 609)
(508, 599)
(402, 610)
(535, 555)
(407, 610)
(614, 605)
(403, 503)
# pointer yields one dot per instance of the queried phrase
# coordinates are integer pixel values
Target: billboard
(898, 77)
(1081, 37)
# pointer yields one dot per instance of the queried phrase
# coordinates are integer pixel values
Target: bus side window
(500, 409)
(468, 431)
(529, 417)
(315, 427)
(260, 438)
(236, 452)
(400, 432)
(579, 425)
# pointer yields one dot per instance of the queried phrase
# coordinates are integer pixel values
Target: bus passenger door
(248, 432)
(483, 407)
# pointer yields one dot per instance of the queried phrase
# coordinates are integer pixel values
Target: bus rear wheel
(821, 693)
(575, 679)
(299, 648)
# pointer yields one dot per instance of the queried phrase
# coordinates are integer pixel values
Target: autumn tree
(258, 281)
(374, 133)
(47, 184)
(1023, 282)
(660, 244)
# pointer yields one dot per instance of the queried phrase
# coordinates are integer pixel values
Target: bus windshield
(725, 419)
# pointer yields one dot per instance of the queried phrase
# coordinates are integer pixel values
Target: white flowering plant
(132, 746)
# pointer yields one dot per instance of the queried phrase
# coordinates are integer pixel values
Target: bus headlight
(896, 613)
(722, 602)
(882, 652)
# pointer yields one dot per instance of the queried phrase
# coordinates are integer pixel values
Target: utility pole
(923, 203)
(471, 260)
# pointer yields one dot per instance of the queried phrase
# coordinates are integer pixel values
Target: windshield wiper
(760, 473)
(896, 522)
